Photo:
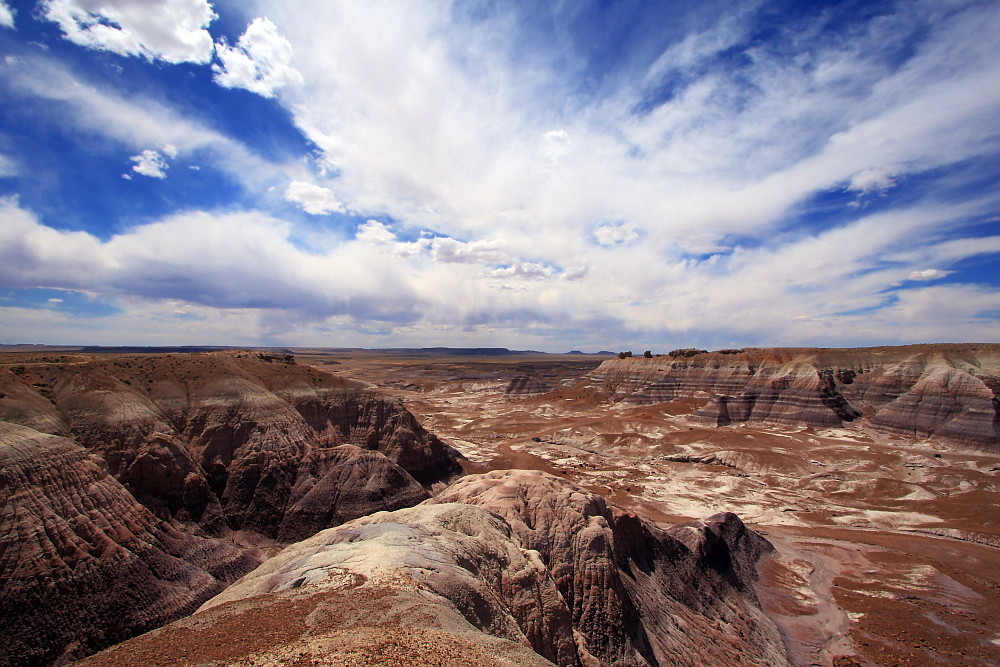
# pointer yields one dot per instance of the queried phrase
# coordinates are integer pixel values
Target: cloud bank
(495, 176)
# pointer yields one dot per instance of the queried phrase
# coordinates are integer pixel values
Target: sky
(589, 175)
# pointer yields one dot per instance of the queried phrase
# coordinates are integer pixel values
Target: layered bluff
(136, 488)
(917, 391)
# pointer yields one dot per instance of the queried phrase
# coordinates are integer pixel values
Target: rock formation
(919, 391)
(522, 559)
(636, 595)
(525, 387)
(240, 446)
(82, 564)
(226, 441)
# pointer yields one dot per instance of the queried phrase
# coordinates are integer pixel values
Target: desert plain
(887, 548)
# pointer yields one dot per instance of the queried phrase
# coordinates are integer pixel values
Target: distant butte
(920, 391)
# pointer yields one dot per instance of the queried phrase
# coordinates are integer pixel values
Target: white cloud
(313, 199)
(438, 125)
(150, 163)
(159, 322)
(615, 234)
(375, 232)
(519, 170)
(555, 145)
(244, 268)
(33, 255)
(878, 181)
(260, 62)
(449, 250)
(524, 271)
(927, 274)
(174, 31)
(135, 122)
(7, 166)
(6, 15)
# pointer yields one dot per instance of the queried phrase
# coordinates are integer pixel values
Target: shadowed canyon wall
(120, 475)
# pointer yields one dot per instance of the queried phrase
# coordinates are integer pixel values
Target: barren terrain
(887, 548)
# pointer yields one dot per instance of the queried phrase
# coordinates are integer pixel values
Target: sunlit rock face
(510, 560)
(636, 594)
(84, 565)
(920, 391)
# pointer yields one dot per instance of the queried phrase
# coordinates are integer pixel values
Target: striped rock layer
(499, 564)
(117, 474)
(917, 391)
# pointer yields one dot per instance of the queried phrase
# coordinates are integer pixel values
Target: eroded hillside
(868, 481)
(118, 473)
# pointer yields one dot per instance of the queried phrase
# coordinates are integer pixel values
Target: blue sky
(553, 176)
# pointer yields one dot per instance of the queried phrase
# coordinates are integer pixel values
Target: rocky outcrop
(919, 391)
(29, 405)
(345, 483)
(951, 403)
(465, 556)
(420, 586)
(522, 559)
(526, 387)
(82, 564)
(246, 447)
(637, 595)
(225, 441)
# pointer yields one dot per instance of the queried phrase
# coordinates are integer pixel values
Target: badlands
(431, 507)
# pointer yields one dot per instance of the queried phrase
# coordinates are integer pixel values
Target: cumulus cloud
(446, 249)
(33, 255)
(375, 232)
(615, 234)
(927, 274)
(313, 199)
(259, 62)
(174, 31)
(878, 181)
(247, 267)
(6, 15)
(150, 163)
(524, 271)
